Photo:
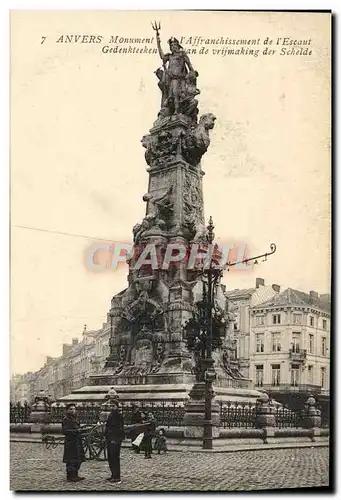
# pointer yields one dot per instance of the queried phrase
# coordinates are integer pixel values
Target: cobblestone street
(35, 468)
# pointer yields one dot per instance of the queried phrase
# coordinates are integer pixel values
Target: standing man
(73, 446)
(114, 434)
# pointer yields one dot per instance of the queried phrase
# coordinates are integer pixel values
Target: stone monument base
(131, 393)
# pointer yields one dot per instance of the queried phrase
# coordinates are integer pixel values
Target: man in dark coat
(73, 447)
(114, 435)
(136, 418)
(147, 441)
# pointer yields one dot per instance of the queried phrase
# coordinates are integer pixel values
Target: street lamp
(206, 328)
(204, 333)
(111, 359)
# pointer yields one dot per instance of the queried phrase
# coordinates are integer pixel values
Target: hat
(172, 39)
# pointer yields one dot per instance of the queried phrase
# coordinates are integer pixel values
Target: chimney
(260, 282)
(313, 295)
(74, 342)
(276, 288)
(66, 349)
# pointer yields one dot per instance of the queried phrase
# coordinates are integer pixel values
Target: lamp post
(111, 359)
(206, 328)
(204, 335)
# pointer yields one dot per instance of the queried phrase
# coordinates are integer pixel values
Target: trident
(156, 27)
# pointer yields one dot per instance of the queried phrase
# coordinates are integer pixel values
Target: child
(160, 442)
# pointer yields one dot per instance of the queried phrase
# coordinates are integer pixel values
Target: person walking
(73, 447)
(114, 435)
(136, 418)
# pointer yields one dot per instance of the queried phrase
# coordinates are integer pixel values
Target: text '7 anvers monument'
(149, 358)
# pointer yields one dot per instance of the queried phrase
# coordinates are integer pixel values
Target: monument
(149, 358)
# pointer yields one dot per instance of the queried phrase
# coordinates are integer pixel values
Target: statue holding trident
(175, 74)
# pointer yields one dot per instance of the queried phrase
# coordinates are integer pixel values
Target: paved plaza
(35, 468)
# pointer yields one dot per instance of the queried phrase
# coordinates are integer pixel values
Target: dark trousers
(72, 469)
(114, 450)
(148, 447)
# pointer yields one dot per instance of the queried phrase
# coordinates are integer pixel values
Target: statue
(195, 143)
(172, 78)
(160, 211)
(143, 312)
(147, 144)
(188, 103)
(159, 206)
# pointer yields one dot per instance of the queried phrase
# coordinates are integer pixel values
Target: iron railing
(233, 414)
(285, 418)
(19, 413)
(237, 414)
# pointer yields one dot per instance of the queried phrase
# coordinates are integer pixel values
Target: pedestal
(194, 418)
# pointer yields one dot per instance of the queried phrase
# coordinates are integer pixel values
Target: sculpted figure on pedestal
(144, 312)
(162, 149)
(196, 141)
(160, 210)
(176, 88)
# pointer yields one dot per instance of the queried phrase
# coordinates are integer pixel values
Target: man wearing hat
(73, 446)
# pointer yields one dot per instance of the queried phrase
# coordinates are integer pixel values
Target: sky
(78, 171)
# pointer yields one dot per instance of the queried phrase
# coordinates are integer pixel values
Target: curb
(229, 449)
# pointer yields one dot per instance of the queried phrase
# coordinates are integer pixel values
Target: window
(297, 319)
(310, 374)
(276, 342)
(276, 374)
(323, 377)
(323, 346)
(295, 375)
(259, 375)
(276, 319)
(296, 340)
(259, 342)
(324, 324)
(259, 320)
(311, 320)
(311, 344)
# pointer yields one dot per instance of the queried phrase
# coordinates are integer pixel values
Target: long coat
(114, 429)
(146, 442)
(73, 447)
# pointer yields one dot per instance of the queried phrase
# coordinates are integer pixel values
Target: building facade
(60, 376)
(241, 303)
(290, 342)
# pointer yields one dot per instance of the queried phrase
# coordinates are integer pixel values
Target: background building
(289, 345)
(59, 376)
(282, 338)
(241, 303)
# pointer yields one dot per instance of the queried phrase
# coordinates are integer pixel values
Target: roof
(236, 293)
(291, 297)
